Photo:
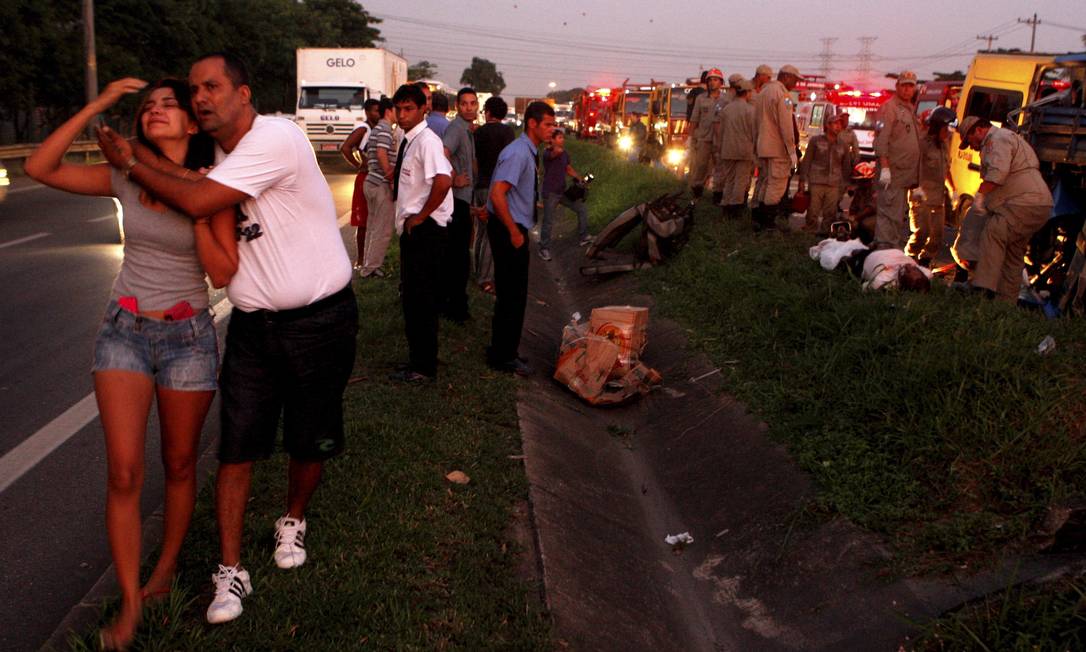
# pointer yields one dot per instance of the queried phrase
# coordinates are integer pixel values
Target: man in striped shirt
(381, 159)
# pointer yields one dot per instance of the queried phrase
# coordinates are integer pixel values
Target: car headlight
(675, 156)
(625, 143)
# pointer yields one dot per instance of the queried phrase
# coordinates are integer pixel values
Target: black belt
(304, 311)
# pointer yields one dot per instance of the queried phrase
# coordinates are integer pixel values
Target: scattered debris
(722, 533)
(1047, 345)
(705, 375)
(600, 360)
(666, 225)
(679, 541)
(457, 477)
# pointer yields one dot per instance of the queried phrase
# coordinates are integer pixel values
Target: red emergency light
(859, 99)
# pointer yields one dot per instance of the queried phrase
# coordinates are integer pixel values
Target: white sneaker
(289, 542)
(231, 585)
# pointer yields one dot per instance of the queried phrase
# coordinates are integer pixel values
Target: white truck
(333, 83)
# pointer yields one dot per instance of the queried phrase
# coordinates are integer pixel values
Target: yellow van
(996, 85)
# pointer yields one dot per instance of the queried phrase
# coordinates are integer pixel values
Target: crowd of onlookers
(458, 194)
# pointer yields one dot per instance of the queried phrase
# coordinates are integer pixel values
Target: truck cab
(996, 86)
(1054, 124)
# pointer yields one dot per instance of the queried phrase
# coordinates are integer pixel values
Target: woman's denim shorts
(181, 355)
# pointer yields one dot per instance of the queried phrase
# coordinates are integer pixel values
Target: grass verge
(400, 558)
(1049, 618)
(929, 418)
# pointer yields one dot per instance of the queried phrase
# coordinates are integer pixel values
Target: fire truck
(862, 107)
(670, 125)
(592, 113)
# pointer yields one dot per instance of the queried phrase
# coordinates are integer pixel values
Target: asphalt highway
(59, 254)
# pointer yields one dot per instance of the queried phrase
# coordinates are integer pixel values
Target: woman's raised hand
(118, 89)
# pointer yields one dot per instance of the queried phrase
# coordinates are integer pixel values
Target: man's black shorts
(293, 362)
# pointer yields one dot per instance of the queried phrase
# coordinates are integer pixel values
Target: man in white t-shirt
(420, 187)
(290, 345)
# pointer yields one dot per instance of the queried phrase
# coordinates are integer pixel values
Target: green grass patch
(1049, 618)
(619, 184)
(928, 418)
(400, 558)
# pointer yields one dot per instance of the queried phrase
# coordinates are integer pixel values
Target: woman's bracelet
(128, 165)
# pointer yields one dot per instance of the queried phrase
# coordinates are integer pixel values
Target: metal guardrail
(25, 150)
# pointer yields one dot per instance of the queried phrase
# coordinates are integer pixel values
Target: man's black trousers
(456, 264)
(510, 288)
(420, 272)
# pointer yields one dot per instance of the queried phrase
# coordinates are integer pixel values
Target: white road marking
(36, 186)
(28, 238)
(24, 457)
(103, 218)
(50, 437)
(38, 446)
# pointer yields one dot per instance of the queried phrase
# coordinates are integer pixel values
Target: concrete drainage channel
(606, 486)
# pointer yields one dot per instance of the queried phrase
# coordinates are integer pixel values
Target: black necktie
(396, 170)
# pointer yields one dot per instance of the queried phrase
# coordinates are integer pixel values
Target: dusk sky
(601, 43)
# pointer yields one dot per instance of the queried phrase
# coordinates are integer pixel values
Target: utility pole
(827, 56)
(1033, 23)
(90, 72)
(989, 38)
(866, 55)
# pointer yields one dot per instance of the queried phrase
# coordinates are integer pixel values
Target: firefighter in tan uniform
(736, 153)
(897, 147)
(703, 125)
(929, 200)
(848, 138)
(1014, 196)
(761, 77)
(776, 145)
(718, 134)
(824, 171)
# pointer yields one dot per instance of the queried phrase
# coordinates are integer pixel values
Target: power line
(1062, 26)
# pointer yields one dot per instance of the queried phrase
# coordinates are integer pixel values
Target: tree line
(42, 59)
(482, 74)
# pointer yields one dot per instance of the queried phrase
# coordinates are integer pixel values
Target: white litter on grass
(683, 538)
(705, 375)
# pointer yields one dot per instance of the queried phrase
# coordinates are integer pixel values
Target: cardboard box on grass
(627, 327)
